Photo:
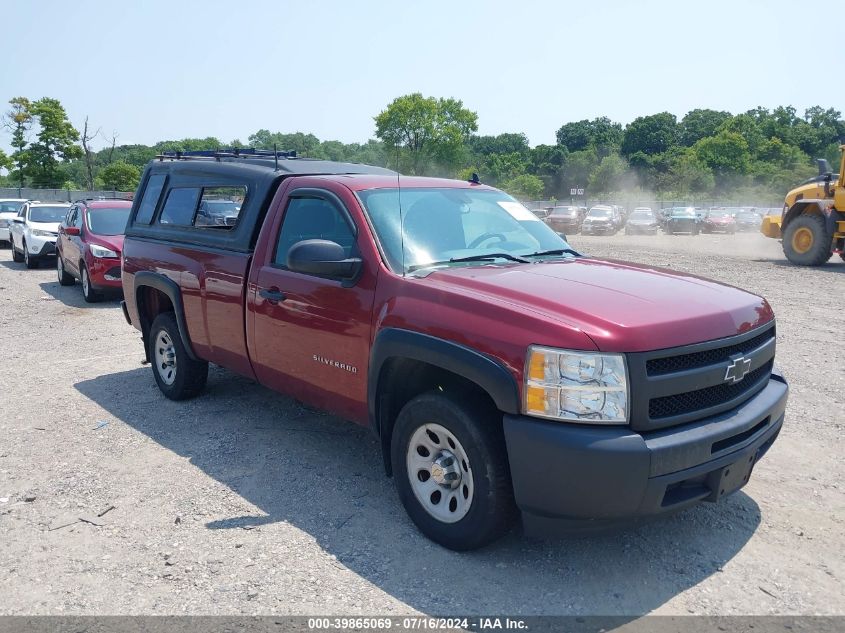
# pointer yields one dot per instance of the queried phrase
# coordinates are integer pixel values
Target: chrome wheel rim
(440, 473)
(165, 357)
(60, 269)
(85, 287)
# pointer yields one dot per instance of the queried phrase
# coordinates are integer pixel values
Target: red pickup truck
(503, 372)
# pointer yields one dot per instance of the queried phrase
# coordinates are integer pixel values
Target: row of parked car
(610, 219)
(84, 239)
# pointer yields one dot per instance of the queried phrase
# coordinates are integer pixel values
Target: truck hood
(622, 307)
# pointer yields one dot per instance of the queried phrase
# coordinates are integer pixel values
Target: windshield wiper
(556, 251)
(489, 257)
(486, 257)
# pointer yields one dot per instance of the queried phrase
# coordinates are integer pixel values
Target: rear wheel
(176, 374)
(806, 241)
(64, 278)
(451, 470)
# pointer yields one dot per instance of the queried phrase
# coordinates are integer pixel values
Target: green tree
(507, 143)
(701, 123)
(576, 172)
(19, 121)
(525, 186)
(120, 176)
(600, 134)
(189, 145)
(5, 161)
(56, 140)
(687, 174)
(427, 129)
(609, 176)
(726, 154)
(302, 144)
(653, 134)
(747, 127)
(548, 163)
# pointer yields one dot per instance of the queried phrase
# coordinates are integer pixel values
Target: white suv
(9, 208)
(34, 231)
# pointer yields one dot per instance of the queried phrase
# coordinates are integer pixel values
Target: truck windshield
(438, 225)
(110, 221)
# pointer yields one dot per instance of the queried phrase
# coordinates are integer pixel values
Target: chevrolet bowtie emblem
(738, 369)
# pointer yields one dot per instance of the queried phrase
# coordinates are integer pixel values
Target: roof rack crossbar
(231, 152)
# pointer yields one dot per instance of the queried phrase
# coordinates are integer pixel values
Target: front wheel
(30, 261)
(16, 256)
(88, 292)
(806, 241)
(176, 374)
(64, 278)
(451, 470)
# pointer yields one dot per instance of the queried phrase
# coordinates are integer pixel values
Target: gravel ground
(243, 501)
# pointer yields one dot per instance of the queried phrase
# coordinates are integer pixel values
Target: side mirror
(71, 230)
(323, 258)
(17, 220)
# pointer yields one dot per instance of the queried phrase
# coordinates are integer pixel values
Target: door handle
(273, 295)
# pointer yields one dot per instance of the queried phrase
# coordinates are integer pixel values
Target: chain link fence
(59, 195)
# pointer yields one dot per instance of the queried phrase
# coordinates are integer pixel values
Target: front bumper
(597, 228)
(720, 228)
(681, 227)
(569, 477)
(563, 227)
(645, 229)
(105, 273)
(39, 247)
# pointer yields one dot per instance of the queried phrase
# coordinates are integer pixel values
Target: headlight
(40, 233)
(586, 387)
(100, 251)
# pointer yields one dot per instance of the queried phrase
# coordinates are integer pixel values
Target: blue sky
(158, 70)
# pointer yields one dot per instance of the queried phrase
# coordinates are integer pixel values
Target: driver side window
(312, 219)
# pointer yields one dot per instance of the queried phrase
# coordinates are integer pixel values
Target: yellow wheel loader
(812, 223)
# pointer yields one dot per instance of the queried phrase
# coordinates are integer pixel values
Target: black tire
(842, 256)
(16, 256)
(190, 375)
(64, 278)
(478, 430)
(820, 249)
(30, 261)
(88, 293)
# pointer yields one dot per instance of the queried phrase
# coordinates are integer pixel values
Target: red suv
(89, 245)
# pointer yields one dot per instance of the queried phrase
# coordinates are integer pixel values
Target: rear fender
(147, 279)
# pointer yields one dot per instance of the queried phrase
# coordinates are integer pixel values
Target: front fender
(478, 368)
